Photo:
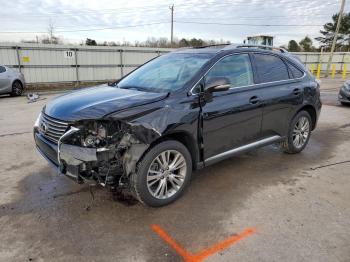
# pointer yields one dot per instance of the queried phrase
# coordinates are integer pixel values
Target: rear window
(270, 68)
(296, 73)
(2, 69)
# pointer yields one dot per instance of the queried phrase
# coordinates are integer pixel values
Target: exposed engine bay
(102, 151)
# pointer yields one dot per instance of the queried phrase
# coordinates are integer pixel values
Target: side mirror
(217, 84)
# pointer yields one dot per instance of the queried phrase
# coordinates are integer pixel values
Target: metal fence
(62, 63)
(55, 63)
(339, 59)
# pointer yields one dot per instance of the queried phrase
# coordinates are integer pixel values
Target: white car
(11, 81)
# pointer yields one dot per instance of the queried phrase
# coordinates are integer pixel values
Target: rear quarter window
(270, 68)
(2, 69)
(296, 73)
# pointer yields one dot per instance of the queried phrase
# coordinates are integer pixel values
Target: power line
(244, 24)
(82, 30)
(157, 23)
(257, 17)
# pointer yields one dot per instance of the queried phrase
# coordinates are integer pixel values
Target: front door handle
(254, 100)
(296, 91)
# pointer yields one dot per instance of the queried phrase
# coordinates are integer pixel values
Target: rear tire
(163, 174)
(345, 104)
(298, 134)
(17, 88)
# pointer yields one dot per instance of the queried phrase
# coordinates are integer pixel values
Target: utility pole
(335, 36)
(51, 30)
(172, 24)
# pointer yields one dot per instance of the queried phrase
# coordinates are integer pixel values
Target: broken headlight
(94, 134)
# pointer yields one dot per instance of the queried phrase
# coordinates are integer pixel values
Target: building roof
(260, 36)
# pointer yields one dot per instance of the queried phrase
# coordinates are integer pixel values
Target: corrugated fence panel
(127, 70)
(92, 57)
(46, 57)
(99, 73)
(62, 63)
(8, 56)
(138, 58)
(49, 75)
(57, 63)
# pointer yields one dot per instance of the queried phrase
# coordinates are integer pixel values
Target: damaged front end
(102, 151)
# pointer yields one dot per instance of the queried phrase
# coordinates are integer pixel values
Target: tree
(90, 42)
(159, 42)
(163, 42)
(183, 43)
(196, 42)
(293, 46)
(306, 44)
(51, 40)
(329, 31)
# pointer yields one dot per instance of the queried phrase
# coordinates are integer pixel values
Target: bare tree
(51, 30)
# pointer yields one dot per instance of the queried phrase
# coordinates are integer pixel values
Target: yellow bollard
(333, 71)
(344, 71)
(312, 68)
(318, 71)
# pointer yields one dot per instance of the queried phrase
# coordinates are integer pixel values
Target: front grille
(51, 128)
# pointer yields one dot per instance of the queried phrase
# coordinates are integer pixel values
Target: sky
(136, 20)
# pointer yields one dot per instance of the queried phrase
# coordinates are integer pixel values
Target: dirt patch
(14, 134)
(25, 164)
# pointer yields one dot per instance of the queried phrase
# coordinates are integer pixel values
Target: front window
(166, 73)
(236, 69)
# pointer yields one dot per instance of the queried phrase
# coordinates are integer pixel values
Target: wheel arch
(17, 80)
(184, 138)
(312, 112)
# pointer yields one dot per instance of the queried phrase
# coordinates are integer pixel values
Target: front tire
(17, 89)
(298, 134)
(163, 174)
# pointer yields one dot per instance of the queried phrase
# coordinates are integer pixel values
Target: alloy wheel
(17, 89)
(166, 174)
(301, 132)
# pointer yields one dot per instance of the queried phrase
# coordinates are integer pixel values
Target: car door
(280, 93)
(5, 80)
(231, 118)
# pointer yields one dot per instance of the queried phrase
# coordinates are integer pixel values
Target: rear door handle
(254, 100)
(296, 91)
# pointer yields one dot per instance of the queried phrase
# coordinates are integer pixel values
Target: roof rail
(272, 48)
(205, 46)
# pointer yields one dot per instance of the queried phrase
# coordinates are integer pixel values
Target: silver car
(11, 81)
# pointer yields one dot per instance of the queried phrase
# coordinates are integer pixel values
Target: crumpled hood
(96, 102)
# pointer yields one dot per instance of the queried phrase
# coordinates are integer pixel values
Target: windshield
(165, 73)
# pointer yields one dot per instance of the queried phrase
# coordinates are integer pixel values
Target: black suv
(179, 112)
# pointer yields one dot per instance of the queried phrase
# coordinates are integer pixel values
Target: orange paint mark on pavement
(200, 256)
(179, 249)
